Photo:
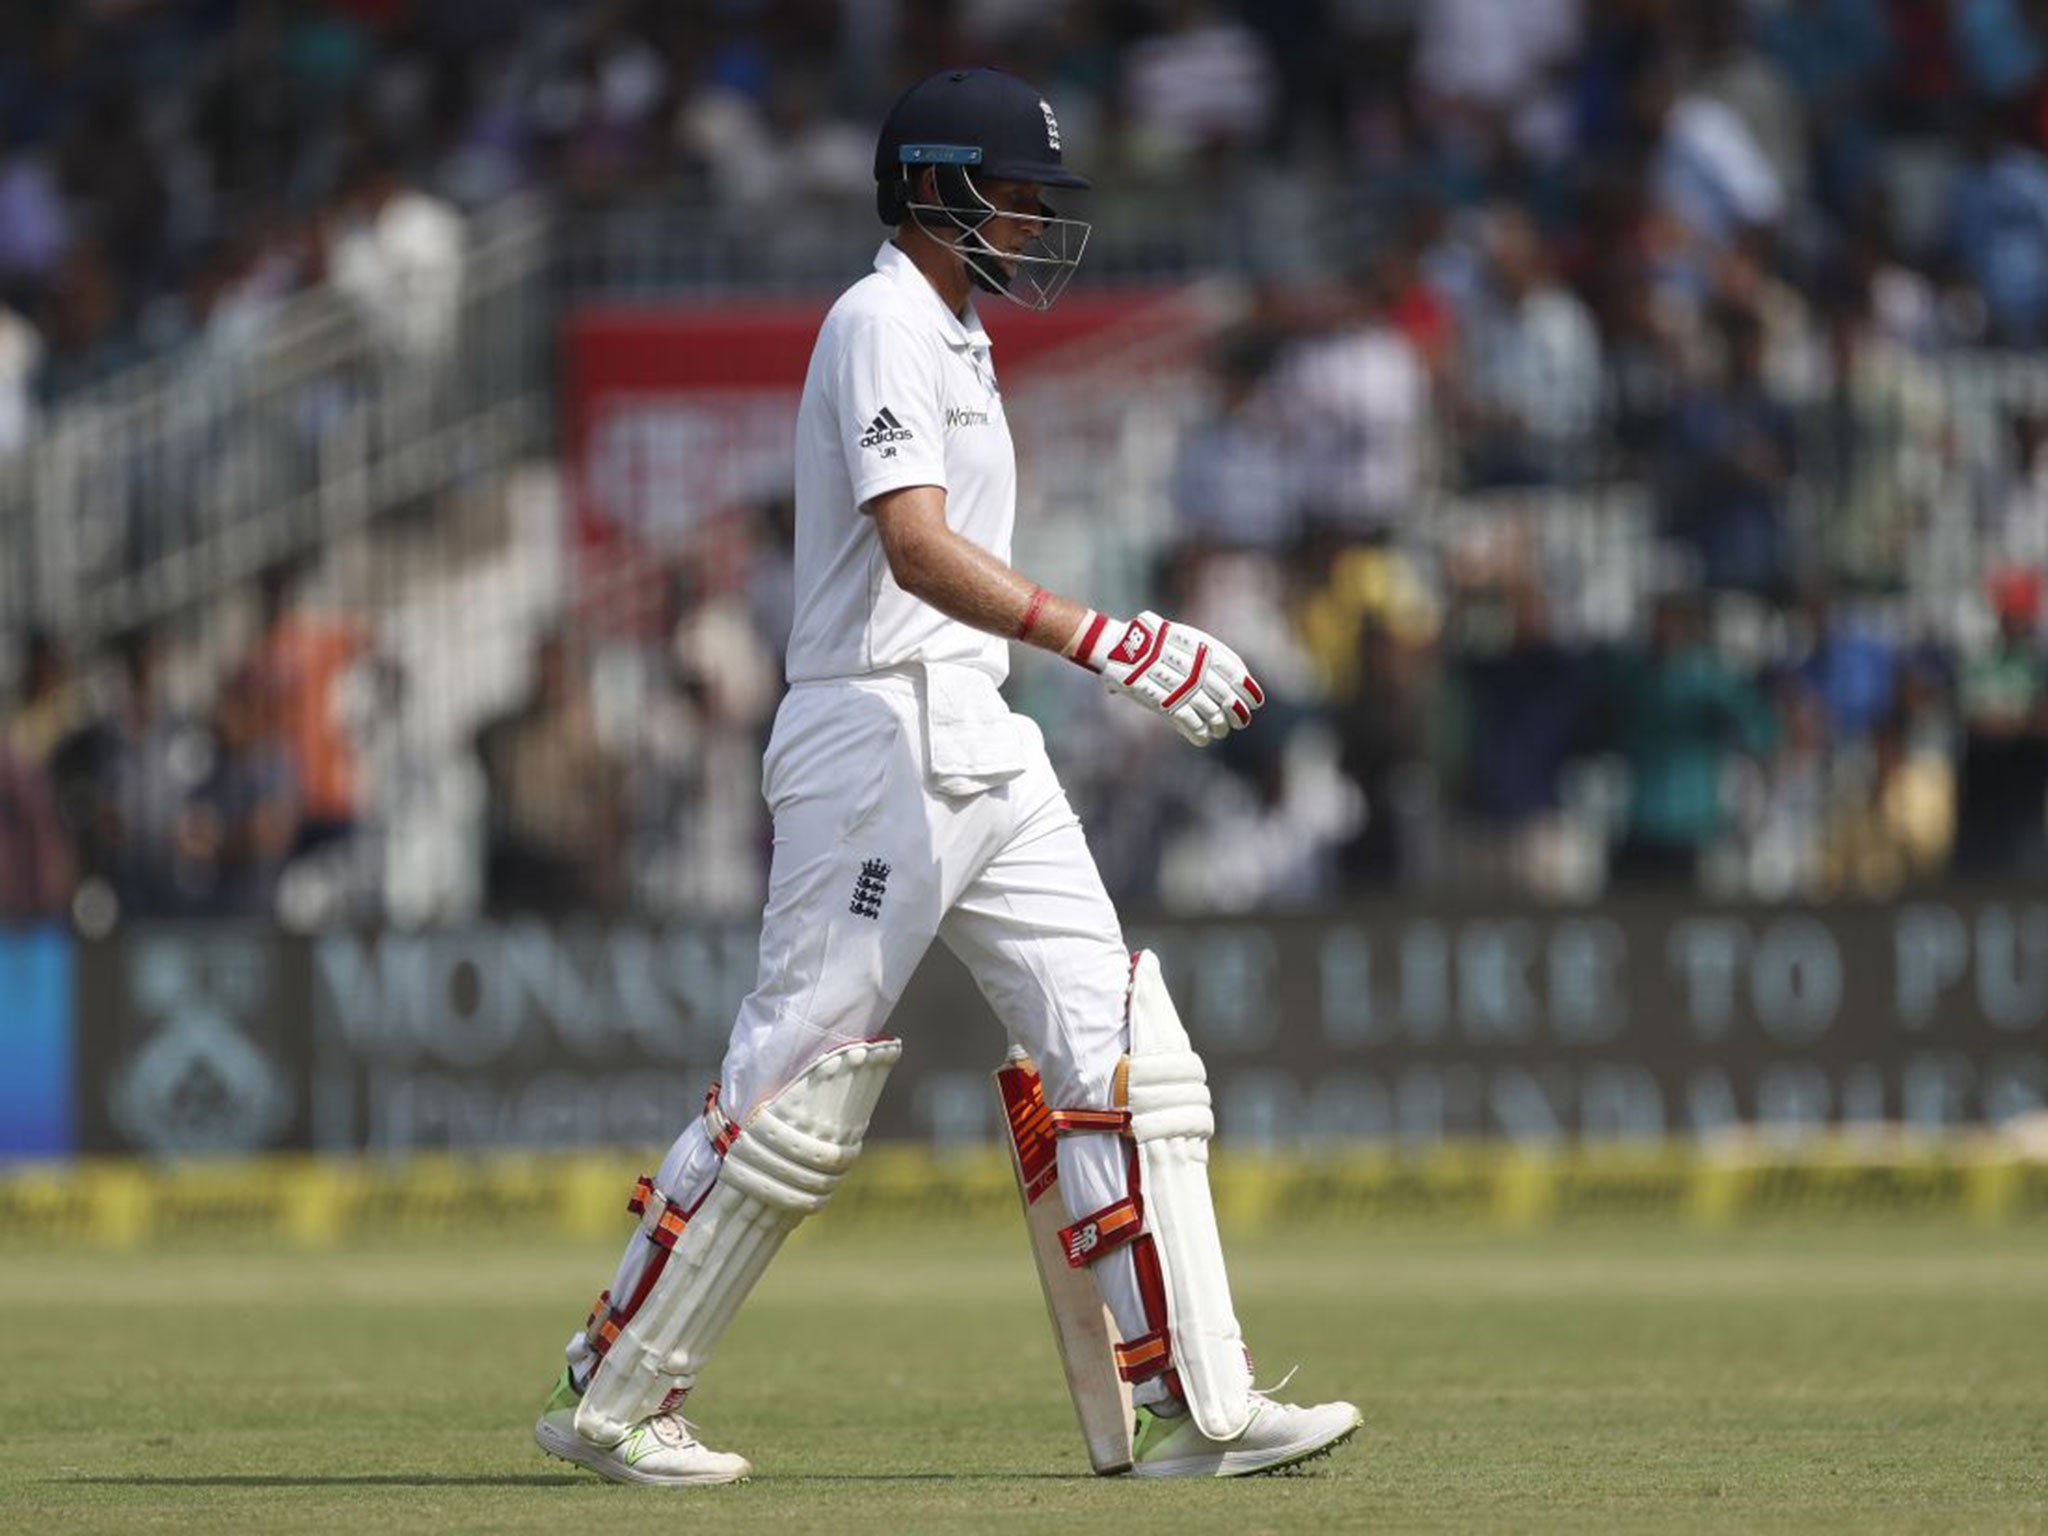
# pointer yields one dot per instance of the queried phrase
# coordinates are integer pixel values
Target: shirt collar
(892, 263)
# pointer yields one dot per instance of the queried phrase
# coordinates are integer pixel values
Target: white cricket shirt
(901, 391)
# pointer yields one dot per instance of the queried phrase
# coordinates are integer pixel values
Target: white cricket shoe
(659, 1449)
(1279, 1435)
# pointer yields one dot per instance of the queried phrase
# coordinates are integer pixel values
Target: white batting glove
(1193, 679)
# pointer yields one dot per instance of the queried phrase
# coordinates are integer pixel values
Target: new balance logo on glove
(885, 428)
(869, 889)
(1135, 645)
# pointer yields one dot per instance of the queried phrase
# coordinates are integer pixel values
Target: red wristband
(1038, 597)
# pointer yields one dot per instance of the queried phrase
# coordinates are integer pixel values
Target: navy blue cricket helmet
(981, 124)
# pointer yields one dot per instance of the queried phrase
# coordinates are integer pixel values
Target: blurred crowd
(1629, 459)
(168, 167)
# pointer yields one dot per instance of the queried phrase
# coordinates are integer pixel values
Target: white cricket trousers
(871, 863)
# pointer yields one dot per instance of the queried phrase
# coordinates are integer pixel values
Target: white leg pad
(790, 1155)
(1172, 1123)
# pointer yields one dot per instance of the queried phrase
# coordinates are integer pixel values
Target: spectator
(1728, 467)
(597, 110)
(1998, 48)
(35, 867)
(552, 796)
(21, 359)
(1416, 309)
(157, 764)
(1792, 796)
(35, 230)
(1710, 170)
(1646, 370)
(1998, 233)
(236, 832)
(1204, 84)
(395, 252)
(1287, 813)
(419, 809)
(1924, 88)
(53, 704)
(1525, 698)
(1354, 398)
(1680, 718)
(114, 185)
(704, 715)
(1531, 368)
(84, 323)
(305, 656)
(1879, 443)
(1383, 749)
(2017, 525)
(1487, 66)
(2002, 823)
(1235, 484)
(1834, 52)
(1850, 670)
(1742, 76)
(1899, 827)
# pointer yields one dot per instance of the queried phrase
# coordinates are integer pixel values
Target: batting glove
(1195, 680)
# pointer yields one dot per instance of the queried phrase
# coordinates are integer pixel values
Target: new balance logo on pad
(869, 889)
(885, 428)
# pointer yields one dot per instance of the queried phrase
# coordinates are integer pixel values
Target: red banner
(680, 413)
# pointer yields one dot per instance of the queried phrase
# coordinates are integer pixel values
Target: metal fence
(149, 494)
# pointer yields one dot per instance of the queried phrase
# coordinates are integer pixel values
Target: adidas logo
(869, 889)
(885, 428)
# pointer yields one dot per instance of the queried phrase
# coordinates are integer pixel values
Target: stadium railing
(150, 493)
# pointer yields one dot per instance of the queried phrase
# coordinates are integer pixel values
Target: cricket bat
(1081, 1323)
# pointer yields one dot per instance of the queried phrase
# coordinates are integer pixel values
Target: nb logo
(1083, 1241)
(1137, 639)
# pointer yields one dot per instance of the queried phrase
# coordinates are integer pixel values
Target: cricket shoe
(1279, 1435)
(661, 1448)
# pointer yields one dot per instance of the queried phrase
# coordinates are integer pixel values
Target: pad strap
(601, 1328)
(1102, 1231)
(718, 1125)
(669, 1216)
(1081, 1122)
(1144, 1357)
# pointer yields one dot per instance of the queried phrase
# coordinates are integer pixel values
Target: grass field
(1867, 1379)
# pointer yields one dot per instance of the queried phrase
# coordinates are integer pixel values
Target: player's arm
(1190, 677)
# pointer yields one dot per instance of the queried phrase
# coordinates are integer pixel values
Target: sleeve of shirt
(888, 391)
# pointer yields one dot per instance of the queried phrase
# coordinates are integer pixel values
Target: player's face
(1018, 198)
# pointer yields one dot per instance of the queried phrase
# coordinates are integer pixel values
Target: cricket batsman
(910, 803)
